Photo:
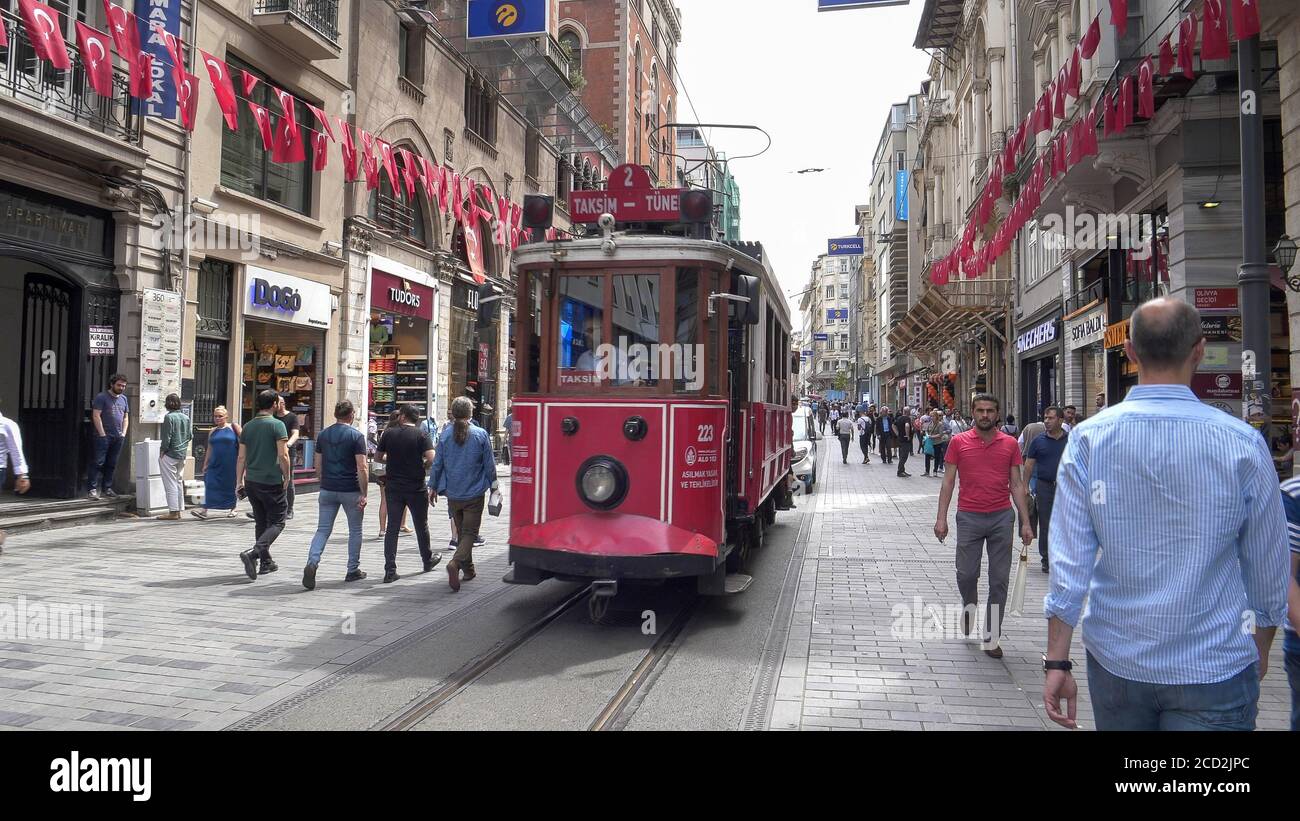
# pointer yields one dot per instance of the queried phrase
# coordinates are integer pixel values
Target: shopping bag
(1016, 604)
(494, 503)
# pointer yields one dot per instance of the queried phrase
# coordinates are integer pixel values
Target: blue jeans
(1292, 647)
(330, 501)
(1120, 704)
(103, 465)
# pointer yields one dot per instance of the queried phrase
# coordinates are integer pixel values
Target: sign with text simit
(630, 197)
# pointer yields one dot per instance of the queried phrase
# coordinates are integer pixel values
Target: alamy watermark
(40, 622)
(635, 363)
(1075, 231)
(209, 232)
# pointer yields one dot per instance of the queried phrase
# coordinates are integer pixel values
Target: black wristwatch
(1065, 666)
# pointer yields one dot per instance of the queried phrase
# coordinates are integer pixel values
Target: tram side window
(688, 363)
(582, 319)
(635, 319)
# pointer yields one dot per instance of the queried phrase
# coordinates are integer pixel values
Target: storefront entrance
(401, 319)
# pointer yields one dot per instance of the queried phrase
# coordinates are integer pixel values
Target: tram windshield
(622, 331)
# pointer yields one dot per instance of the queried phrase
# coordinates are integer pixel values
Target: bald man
(1182, 558)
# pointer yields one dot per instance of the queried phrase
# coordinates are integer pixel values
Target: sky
(821, 83)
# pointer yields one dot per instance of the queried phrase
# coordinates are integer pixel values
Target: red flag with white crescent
(175, 49)
(1146, 88)
(1074, 77)
(369, 165)
(1245, 19)
(219, 74)
(250, 83)
(125, 31)
(429, 178)
(43, 30)
(1214, 32)
(474, 250)
(320, 144)
(390, 165)
(348, 148)
(324, 120)
(4, 35)
(1119, 16)
(142, 76)
(457, 198)
(96, 57)
(263, 119)
(187, 99)
(1166, 56)
(1088, 45)
(288, 147)
(444, 190)
(1187, 45)
(1126, 117)
(408, 172)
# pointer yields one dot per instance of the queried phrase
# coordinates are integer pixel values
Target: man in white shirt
(12, 459)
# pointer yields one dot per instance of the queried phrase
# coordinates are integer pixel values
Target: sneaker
(355, 576)
(391, 576)
(309, 577)
(94, 494)
(1045, 567)
(249, 558)
(468, 575)
(267, 566)
(199, 513)
(994, 653)
(453, 544)
(430, 564)
(288, 516)
(250, 515)
(478, 542)
(109, 493)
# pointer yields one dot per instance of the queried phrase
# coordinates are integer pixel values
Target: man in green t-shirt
(263, 474)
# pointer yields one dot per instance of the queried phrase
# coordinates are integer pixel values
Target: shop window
(246, 166)
(286, 359)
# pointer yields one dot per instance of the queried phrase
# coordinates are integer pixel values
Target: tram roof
(748, 257)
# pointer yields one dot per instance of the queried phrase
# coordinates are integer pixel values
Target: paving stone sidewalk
(871, 549)
(188, 642)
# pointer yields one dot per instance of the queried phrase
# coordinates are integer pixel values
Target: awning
(943, 315)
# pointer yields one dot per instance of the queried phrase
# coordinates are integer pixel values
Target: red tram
(652, 414)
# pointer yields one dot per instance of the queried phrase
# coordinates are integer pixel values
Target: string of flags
(1133, 98)
(445, 189)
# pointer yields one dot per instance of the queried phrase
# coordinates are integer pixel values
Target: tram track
(616, 712)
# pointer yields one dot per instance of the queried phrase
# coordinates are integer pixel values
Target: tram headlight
(602, 483)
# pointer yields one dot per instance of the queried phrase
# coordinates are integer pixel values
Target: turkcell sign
(837, 5)
(900, 195)
(162, 100)
(628, 205)
(833, 314)
(495, 19)
(845, 247)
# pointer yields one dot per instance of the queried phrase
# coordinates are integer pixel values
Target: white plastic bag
(1016, 605)
(494, 503)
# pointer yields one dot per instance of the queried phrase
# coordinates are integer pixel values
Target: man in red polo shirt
(988, 462)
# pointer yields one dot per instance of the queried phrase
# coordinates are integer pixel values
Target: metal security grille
(47, 413)
(102, 308)
(216, 279)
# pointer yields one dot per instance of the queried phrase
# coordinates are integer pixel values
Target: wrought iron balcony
(64, 93)
(309, 27)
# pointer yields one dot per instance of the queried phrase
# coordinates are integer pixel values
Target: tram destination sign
(630, 197)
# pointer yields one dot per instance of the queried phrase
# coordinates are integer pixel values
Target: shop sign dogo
(1033, 338)
(284, 298)
(1086, 330)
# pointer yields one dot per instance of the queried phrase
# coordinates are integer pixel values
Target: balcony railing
(65, 93)
(322, 16)
(1093, 292)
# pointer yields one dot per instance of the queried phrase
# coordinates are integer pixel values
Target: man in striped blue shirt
(1291, 642)
(1169, 522)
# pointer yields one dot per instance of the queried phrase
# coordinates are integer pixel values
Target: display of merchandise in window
(288, 368)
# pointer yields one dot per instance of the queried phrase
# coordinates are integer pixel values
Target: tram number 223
(705, 434)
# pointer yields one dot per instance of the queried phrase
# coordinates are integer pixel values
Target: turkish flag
(1245, 19)
(97, 58)
(474, 250)
(369, 165)
(429, 177)
(142, 76)
(1058, 97)
(219, 74)
(1108, 115)
(286, 105)
(390, 165)
(288, 147)
(1214, 32)
(1092, 39)
(348, 149)
(457, 198)
(263, 119)
(1043, 113)
(1074, 77)
(444, 191)
(1187, 45)
(4, 35)
(1088, 134)
(42, 24)
(408, 172)
(250, 83)
(125, 31)
(1119, 16)
(187, 99)
(324, 120)
(1146, 88)
(175, 49)
(1166, 56)
(320, 145)
(1126, 102)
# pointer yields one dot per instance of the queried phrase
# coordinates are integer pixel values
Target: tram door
(48, 409)
(739, 369)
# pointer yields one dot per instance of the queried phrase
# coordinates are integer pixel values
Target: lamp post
(1284, 255)
(1252, 275)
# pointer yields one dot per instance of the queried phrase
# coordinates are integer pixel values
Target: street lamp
(1284, 254)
